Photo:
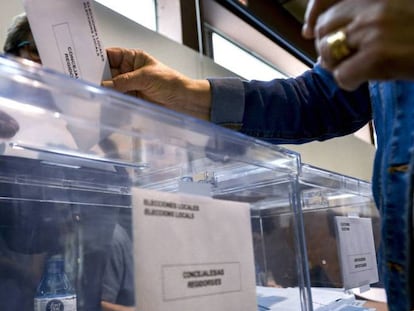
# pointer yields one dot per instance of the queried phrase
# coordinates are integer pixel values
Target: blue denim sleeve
(228, 101)
(297, 110)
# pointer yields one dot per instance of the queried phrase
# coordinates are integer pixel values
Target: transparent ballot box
(342, 230)
(338, 211)
(108, 201)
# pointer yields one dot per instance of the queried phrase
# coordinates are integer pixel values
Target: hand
(107, 306)
(8, 125)
(138, 73)
(313, 10)
(380, 36)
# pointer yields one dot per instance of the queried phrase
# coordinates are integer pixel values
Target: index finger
(313, 10)
(126, 60)
(115, 56)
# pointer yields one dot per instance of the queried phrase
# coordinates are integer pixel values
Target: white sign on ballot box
(192, 253)
(357, 251)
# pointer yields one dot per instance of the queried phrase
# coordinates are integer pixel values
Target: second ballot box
(341, 232)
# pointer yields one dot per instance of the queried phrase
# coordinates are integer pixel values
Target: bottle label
(65, 303)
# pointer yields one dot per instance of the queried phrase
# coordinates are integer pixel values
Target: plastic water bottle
(55, 292)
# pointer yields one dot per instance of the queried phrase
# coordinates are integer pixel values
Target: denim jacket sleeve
(296, 110)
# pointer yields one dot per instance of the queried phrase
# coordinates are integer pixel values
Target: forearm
(309, 107)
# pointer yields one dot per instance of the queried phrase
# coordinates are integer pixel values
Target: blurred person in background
(115, 270)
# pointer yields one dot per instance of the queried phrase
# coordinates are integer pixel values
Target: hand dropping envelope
(68, 41)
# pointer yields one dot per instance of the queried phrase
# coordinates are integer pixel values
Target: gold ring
(337, 45)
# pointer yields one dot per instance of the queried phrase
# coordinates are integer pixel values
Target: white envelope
(67, 38)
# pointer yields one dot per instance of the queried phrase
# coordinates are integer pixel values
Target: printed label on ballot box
(192, 252)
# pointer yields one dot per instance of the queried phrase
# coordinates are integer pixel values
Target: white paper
(192, 253)
(67, 38)
(357, 251)
(278, 299)
(373, 294)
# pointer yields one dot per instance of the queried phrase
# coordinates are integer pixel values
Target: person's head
(19, 41)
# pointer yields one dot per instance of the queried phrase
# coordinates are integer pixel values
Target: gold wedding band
(337, 45)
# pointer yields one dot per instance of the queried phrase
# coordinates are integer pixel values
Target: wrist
(198, 98)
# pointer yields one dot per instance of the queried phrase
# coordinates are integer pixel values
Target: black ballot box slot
(47, 209)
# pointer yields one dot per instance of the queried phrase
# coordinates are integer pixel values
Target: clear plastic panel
(66, 179)
(324, 196)
(128, 131)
